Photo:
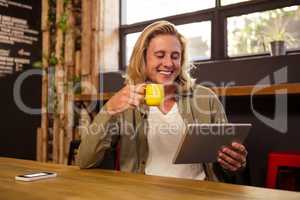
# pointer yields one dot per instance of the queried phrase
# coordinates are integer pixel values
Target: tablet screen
(201, 142)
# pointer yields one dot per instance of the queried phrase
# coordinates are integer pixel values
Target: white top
(164, 135)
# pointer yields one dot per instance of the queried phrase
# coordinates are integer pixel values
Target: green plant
(63, 22)
(37, 64)
(277, 31)
(52, 59)
(77, 84)
(66, 2)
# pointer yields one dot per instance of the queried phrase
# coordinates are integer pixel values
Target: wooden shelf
(98, 97)
(288, 88)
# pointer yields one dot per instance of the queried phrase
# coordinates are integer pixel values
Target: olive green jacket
(199, 105)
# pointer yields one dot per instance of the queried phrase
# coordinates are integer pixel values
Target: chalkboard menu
(20, 47)
(19, 35)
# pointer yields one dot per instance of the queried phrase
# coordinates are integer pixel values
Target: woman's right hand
(130, 96)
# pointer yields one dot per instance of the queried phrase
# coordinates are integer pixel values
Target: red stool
(280, 159)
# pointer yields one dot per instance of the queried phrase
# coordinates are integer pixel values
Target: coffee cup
(154, 94)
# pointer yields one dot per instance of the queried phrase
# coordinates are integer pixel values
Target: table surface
(74, 183)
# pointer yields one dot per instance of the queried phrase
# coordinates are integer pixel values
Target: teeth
(165, 72)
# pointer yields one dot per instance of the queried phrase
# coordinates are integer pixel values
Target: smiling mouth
(165, 72)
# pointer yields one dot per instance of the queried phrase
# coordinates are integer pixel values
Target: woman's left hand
(233, 158)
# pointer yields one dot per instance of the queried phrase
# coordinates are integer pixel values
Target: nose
(167, 61)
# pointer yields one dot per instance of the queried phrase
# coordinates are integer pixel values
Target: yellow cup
(154, 94)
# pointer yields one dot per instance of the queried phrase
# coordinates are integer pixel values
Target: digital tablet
(201, 142)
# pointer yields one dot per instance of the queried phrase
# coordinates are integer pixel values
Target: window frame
(218, 17)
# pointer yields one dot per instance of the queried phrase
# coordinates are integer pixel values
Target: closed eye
(175, 55)
(159, 54)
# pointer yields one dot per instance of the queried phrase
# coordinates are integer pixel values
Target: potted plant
(277, 37)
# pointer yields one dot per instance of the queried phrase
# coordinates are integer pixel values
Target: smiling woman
(163, 59)
(159, 57)
(163, 48)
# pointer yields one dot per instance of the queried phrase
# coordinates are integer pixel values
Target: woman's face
(163, 59)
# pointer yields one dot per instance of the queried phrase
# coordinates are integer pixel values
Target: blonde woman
(149, 136)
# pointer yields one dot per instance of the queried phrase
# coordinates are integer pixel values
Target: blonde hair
(136, 69)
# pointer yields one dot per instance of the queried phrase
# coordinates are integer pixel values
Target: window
(130, 41)
(216, 29)
(199, 39)
(227, 2)
(142, 10)
(198, 35)
(252, 33)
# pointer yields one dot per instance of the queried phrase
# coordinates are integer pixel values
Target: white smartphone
(35, 176)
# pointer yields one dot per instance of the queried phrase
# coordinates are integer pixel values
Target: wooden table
(73, 183)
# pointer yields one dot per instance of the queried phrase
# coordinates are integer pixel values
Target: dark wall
(18, 129)
(248, 71)
(111, 81)
(263, 138)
